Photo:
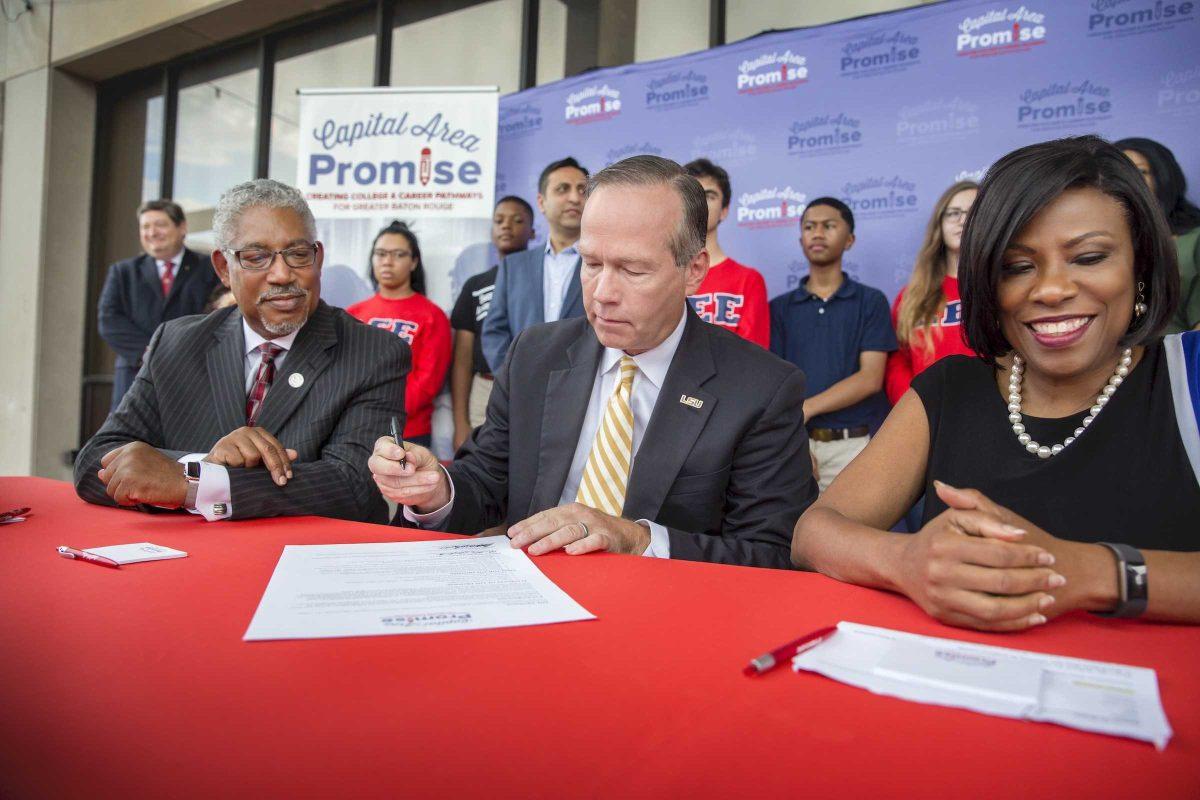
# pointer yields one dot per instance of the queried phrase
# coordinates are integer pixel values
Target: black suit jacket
(728, 479)
(191, 391)
(132, 306)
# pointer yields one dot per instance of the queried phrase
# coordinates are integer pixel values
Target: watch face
(1137, 574)
(193, 470)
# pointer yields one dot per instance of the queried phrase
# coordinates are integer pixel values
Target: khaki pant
(832, 457)
(481, 390)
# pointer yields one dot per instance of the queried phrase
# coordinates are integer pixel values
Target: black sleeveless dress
(1126, 479)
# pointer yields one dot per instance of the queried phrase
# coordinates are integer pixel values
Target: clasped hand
(978, 565)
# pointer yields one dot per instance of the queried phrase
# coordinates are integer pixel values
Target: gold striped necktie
(607, 472)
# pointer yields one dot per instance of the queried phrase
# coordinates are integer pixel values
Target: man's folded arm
(770, 486)
(136, 420)
(338, 484)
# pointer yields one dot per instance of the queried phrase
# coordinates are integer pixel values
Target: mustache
(290, 290)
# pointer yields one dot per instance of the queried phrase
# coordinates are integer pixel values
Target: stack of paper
(136, 553)
(1089, 695)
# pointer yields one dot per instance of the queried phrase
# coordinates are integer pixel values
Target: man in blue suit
(541, 284)
(141, 293)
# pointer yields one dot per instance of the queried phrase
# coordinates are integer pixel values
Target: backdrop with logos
(883, 112)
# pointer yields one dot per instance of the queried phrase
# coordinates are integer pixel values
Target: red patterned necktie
(168, 277)
(262, 381)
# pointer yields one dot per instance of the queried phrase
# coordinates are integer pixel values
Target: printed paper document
(1090, 695)
(322, 591)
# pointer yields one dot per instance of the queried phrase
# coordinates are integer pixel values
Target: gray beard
(284, 328)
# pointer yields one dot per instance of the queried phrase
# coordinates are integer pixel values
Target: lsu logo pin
(690, 401)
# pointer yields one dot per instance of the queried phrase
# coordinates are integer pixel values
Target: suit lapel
(309, 357)
(183, 272)
(537, 260)
(574, 296)
(227, 373)
(148, 270)
(568, 391)
(674, 425)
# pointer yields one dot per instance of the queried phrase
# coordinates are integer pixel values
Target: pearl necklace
(1016, 375)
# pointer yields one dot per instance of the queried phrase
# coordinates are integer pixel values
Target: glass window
(214, 134)
(334, 56)
(152, 156)
(475, 46)
(552, 41)
(750, 17)
(667, 28)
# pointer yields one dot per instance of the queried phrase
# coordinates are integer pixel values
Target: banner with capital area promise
(423, 156)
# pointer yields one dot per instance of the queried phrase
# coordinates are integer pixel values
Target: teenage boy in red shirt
(732, 294)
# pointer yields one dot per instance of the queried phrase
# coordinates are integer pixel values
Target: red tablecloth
(137, 683)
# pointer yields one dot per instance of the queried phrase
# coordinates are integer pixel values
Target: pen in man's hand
(399, 441)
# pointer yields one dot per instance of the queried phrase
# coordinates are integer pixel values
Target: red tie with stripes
(168, 277)
(262, 381)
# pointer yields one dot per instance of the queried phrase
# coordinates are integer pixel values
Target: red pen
(768, 661)
(71, 552)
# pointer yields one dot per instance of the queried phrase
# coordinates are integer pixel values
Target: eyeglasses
(395, 254)
(257, 259)
(953, 214)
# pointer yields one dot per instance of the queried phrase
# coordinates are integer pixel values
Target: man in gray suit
(265, 409)
(640, 429)
(540, 284)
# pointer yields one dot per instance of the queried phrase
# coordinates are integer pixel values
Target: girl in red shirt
(927, 314)
(401, 307)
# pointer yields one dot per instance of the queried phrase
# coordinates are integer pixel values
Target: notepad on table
(136, 553)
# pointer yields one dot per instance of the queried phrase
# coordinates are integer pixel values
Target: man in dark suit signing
(165, 282)
(264, 409)
(639, 429)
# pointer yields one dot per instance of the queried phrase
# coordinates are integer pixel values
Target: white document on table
(1090, 695)
(329, 590)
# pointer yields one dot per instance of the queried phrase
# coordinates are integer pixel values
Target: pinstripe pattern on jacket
(190, 392)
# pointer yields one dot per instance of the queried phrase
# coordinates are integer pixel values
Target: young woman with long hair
(927, 314)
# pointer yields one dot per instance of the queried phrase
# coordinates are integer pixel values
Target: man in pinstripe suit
(266, 409)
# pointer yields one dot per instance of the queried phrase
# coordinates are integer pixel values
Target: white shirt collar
(176, 261)
(253, 340)
(653, 363)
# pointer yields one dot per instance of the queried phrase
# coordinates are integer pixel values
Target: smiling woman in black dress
(1082, 492)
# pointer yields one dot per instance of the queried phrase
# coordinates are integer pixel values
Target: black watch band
(191, 471)
(1132, 580)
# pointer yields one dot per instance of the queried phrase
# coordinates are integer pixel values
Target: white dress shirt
(557, 269)
(213, 492)
(647, 382)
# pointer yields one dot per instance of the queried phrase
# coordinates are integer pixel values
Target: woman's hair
(1018, 187)
(1170, 186)
(417, 276)
(924, 300)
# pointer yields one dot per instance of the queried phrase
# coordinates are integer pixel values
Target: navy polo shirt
(825, 337)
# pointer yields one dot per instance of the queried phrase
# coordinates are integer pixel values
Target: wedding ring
(585, 531)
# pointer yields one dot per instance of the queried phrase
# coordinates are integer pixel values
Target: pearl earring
(1140, 307)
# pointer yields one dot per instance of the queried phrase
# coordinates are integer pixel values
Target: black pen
(399, 441)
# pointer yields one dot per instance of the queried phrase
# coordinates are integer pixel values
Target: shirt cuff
(433, 518)
(660, 540)
(213, 493)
